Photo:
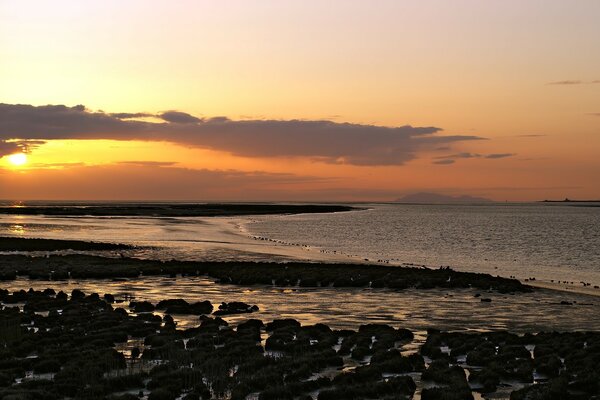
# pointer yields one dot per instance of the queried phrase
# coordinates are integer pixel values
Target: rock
(235, 307)
(282, 323)
(141, 306)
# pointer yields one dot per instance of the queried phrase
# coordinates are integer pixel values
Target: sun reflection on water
(17, 229)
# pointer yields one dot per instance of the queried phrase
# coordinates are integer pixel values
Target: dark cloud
(131, 115)
(219, 119)
(444, 162)
(178, 117)
(494, 156)
(328, 141)
(465, 155)
(7, 148)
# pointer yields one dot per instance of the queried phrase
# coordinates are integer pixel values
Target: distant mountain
(437, 198)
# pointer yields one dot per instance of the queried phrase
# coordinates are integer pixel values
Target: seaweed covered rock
(235, 307)
(180, 306)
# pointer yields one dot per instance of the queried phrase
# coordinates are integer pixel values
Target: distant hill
(437, 198)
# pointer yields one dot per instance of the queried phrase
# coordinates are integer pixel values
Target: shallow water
(349, 308)
(545, 241)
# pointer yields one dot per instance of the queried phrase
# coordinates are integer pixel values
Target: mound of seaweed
(55, 345)
(27, 244)
(79, 346)
(550, 365)
(256, 273)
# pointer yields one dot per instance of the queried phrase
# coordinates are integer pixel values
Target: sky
(299, 100)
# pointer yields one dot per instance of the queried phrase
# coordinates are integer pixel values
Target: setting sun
(17, 159)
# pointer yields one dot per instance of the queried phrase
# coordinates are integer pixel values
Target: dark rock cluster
(79, 345)
(562, 365)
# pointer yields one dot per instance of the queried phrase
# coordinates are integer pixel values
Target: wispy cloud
(452, 158)
(534, 135)
(495, 156)
(574, 82)
(328, 141)
(447, 161)
(149, 163)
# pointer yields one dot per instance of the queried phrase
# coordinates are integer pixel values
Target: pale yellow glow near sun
(17, 159)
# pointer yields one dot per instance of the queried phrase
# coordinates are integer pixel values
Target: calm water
(535, 240)
(545, 241)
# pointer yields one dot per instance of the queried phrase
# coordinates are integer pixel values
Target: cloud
(327, 141)
(574, 82)
(568, 82)
(463, 155)
(458, 155)
(451, 158)
(534, 135)
(177, 117)
(445, 162)
(131, 115)
(595, 114)
(495, 156)
(7, 148)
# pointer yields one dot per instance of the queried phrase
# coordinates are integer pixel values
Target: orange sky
(494, 99)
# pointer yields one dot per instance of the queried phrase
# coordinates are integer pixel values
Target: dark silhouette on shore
(172, 210)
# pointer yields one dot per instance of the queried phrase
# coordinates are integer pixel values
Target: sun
(17, 159)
